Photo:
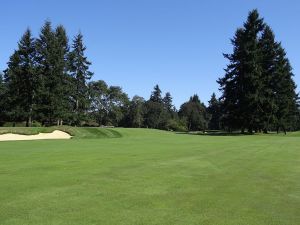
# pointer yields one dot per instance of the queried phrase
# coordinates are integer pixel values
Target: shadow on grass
(238, 133)
(216, 133)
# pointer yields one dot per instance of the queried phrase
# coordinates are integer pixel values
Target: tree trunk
(30, 121)
(243, 130)
(284, 130)
(265, 130)
(50, 120)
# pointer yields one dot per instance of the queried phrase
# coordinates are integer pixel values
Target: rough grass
(151, 177)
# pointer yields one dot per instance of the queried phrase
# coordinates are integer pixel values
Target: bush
(21, 124)
(14, 124)
(36, 124)
(176, 125)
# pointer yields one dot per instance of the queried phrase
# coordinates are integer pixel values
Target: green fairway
(140, 177)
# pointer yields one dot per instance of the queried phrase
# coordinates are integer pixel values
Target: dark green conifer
(22, 80)
(79, 68)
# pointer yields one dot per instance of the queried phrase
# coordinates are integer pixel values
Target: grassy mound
(76, 132)
(97, 132)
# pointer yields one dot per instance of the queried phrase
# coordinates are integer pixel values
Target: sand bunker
(57, 134)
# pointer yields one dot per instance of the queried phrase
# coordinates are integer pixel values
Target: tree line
(48, 82)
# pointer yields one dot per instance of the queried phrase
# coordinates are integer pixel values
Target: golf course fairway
(150, 177)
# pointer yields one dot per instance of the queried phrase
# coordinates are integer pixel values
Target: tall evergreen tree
(49, 69)
(156, 95)
(63, 85)
(167, 100)
(21, 77)
(214, 109)
(284, 89)
(269, 48)
(278, 92)
(258, 89)
(241, 85)
(79, 67)
(154, 108)
(3, 98)
(13, 90)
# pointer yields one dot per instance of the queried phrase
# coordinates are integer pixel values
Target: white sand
(57, 134)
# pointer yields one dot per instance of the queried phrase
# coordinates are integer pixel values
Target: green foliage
(47, 102)
(52, 49)
(22, 79)
(98, 92)
(3, 98)
(63, 85)
(167, 101)
(156, 95)
(154, 110)
(153, 114)
(214, 109)
(257, 90)
(79, 69)
(49, 82)
(194, 113)
(160, 113)
(135, 117)
(176, 125)
(108, 105)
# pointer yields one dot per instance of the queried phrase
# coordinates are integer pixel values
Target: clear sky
(136, 44)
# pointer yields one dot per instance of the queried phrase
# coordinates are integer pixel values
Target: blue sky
(139, 43)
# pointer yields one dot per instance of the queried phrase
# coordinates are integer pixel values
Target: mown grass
(151, 177)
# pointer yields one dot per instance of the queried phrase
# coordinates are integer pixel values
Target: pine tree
(49, 95)
(278, 93)
(63, 86)
(167, 100)
(156, 95)
(79, 67)
(258, 88)
(21, 77)
(3, 98)
(13, 91)
(52, 47)
(284, 90)
(268, 48)
(215, 112)
(154, 107)
(241, 85)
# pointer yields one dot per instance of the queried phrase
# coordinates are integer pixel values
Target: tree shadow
(216, 133)
(237, 133)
